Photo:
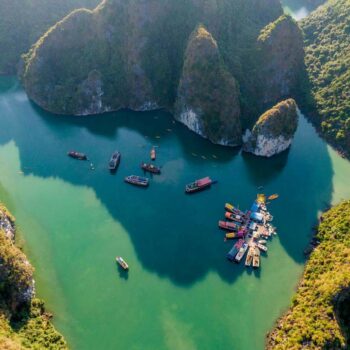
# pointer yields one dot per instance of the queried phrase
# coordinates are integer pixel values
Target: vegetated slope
(319, 317)
(130, 54)
(327, 40)
(24, 21)
(24, 324)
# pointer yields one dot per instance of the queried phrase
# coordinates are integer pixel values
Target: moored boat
(234, 250)
(262, 247)
(199, 185)
(241, 252)
(114, 161)
(153, 154)
(231, 235)
(272, 197)
(231, 226)
(150, 168)
(256, 258)
(122, 262)
(229, 207)
(77, 155)
(137, 180)
(249, 259)
(262, 241)
(233, 217)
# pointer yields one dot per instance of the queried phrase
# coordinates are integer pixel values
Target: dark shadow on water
(123, 274)
(168, 229)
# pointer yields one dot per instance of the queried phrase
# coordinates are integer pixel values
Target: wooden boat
(231, 235)
(122, 262)
(256, 258)
(137, 180)
(199, 185)
(153, 154)
(249, 259)
(234, 250)
(114, 161)
(77, 155)
(262, 247)
(272, 197)
(233, 217)
(241, 252)
(226, 225)
(150, 168)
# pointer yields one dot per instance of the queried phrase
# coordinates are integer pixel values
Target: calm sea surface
(181, 292)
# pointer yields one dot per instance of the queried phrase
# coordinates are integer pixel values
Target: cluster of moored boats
(251, 229)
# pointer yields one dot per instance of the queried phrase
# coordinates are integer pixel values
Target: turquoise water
(181, 292)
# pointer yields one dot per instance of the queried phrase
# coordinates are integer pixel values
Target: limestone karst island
(174, 174)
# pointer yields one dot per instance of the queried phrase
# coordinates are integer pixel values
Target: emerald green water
(181, 292)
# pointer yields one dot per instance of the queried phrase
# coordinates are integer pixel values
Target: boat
(77, 155)
(249, 259)
(256, 258)
(199, 185)
(233, 217)
(150, 168)
(226, 225)
(272, 197)
(262, 241)
(234, 250)
(122, 262)
(229, 207)
(231, 235)
(137, 180)
(262, 247)
(153, 153)
(260, 198)
(241, 252)
(114, 161)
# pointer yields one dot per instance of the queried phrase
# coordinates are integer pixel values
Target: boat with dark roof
(114, 161)
(227, 225)
(199, 185)
(234, 250)
(150, 168)
(137, 180)
(77, 155)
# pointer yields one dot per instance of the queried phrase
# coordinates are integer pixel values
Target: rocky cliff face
(281, 57)
(208, 96)
(141, 55)
(274, 131)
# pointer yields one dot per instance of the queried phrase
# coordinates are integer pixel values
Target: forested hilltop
(319, 317)
(142, 55)
(327, 46)
(24, 323)
(22, 23)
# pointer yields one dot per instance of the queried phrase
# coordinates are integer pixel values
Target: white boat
(122, 262)
(241, 252)
(262, 247)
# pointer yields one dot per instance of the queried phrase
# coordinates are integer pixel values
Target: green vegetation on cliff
(135, 51)
(24, 324)
(319, 316)
(327, 39)
(24, 21)
(209, 90)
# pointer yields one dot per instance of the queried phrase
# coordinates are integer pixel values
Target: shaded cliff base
(318, 318)
(24, 323)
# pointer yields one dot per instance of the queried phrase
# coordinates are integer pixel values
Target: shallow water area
(180, 292)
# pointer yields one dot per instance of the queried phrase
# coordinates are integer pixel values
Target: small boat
(231, 235)
(153, 154)
(241, 252)
(249, 259)
(234, 250)
(150, 168)
(229, 207)
(226, 225)
(256, 258)
(199, 185)
(262, 241)
(272, 197)
(77, 155)
(262, 247)
(137, 180)
(233, 217)
(122, 262)
(114, 161)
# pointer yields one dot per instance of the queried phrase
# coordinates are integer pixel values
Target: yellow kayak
(273, 196)
(229, 207)
(230, 235)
